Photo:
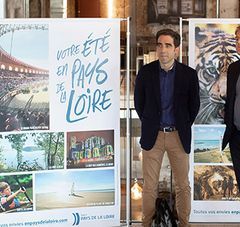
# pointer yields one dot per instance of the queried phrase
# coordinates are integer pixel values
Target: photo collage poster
(215, 195)
(59, 122)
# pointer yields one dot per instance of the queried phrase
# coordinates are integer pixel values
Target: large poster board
(59, 122)
(215, 195)
(2, 7)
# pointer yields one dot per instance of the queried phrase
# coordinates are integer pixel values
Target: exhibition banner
(215, 195)
(59, 122)
(2, 13)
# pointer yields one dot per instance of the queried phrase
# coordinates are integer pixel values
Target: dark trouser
(234, 145)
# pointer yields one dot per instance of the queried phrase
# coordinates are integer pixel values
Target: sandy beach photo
(207, 145)
(212, 156)
(46, 201)
(74, 189)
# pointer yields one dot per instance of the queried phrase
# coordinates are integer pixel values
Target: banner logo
(76, 218)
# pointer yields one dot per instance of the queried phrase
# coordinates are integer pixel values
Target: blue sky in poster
(208, 133)
(83, 180)
(29, 46)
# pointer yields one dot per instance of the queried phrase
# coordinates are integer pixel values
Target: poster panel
(59, 122)
(211, 50)
(215, 195)
(2, 7)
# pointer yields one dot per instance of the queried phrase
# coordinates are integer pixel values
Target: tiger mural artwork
(214, 51)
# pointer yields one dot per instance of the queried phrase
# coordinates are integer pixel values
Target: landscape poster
(59, 122)
(215, 194)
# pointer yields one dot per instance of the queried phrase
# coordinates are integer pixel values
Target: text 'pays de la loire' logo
(76, 218)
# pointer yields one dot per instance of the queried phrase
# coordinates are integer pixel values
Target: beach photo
(16, 193)
(213, 182)
(89, 149)
(31, 151)
(207, 145)
(56, 190)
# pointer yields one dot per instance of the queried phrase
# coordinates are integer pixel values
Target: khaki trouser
(179, 161)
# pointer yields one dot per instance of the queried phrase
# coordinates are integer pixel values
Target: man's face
(7, 191)
(238, 41)
(166, 50)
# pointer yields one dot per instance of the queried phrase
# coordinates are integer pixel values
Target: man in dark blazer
(166, 99)
(232, 111)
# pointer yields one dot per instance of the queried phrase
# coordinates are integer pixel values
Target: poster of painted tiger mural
(211, 50)
(215, 195)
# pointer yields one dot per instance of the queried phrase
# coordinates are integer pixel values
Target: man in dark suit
(232, 111)
(167, 101)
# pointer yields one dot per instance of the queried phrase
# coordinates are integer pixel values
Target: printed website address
(35, 223)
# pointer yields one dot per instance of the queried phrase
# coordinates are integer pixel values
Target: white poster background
(85, 63)
(101, 61)
(2, 8)
(209, 210)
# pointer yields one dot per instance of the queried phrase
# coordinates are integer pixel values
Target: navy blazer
(148, 105)
(232, 77)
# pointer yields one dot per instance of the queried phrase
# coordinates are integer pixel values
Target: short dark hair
(176, 37)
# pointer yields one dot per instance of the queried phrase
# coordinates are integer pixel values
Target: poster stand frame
(128, 153)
